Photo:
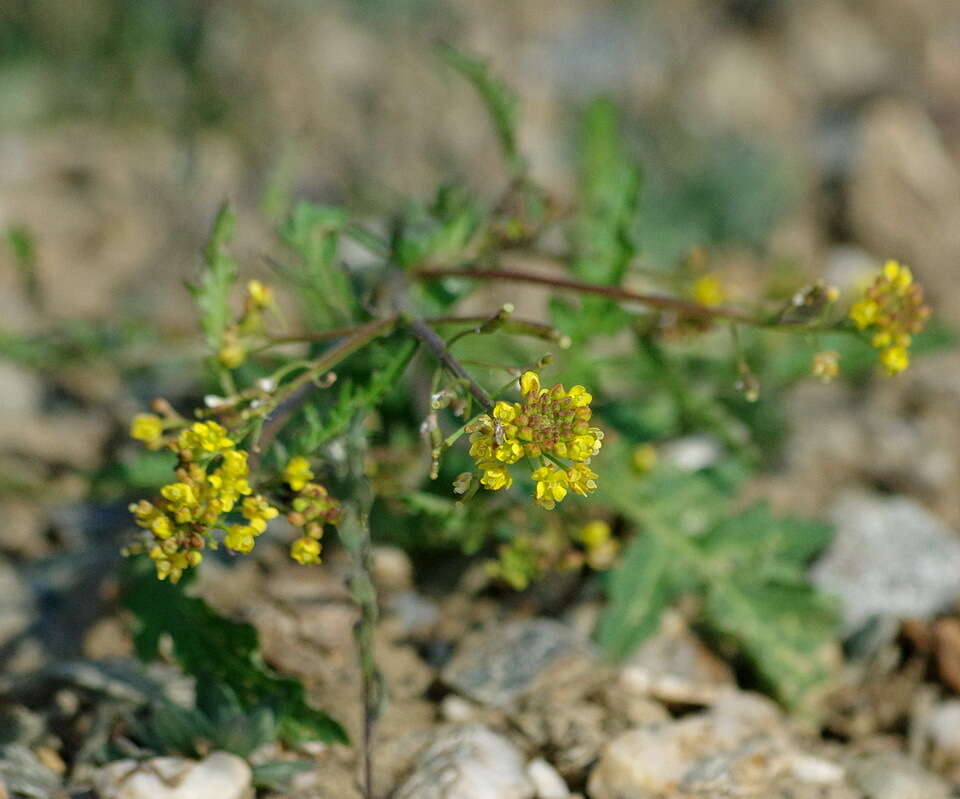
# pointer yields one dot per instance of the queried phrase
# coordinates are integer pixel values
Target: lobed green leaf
(219, 652)
(212, 294)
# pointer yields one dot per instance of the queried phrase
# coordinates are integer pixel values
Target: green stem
(355, 535)
(523, 327)
(297, 390)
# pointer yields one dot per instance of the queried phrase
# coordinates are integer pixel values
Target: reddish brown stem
(660, 302)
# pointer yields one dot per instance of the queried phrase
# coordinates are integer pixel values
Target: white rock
(692, 453)
(219, 775)
(20, 391)
(807, 768)
(943, 728)
(741, 747)
(892, 775)
(471, 762)
(392, 570)
(546, 780)
(890, 558)
(456, 709)
(646, 760)
(674, 666)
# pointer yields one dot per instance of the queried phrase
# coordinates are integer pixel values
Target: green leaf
(313, 232)
(219, 274)
(177, 729)
(351, 399)
(749, 567)
(500, 101)
(219, 651)
(787, 631)
(438, 233)
(242, 734)
(148, 469)
(755, 541)
(25, 257)
(638, 590)
(609, 190)
(276, 774)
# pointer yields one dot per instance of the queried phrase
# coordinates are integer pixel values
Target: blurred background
(823, 134)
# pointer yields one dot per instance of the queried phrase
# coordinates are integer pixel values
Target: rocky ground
(494, 696)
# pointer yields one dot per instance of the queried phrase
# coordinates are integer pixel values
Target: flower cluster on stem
(312, 508)
(212, 480)
(893, 309)
(549, 425)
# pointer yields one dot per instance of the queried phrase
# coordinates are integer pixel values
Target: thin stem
(426, 335)
(613, 292)
(298, 389)
(523, 327)
(320, 335)
(355, 535)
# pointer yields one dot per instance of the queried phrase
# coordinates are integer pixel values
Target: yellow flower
(495, 476)
(232, 355)
(148, 428)
(240, 537)
(257, 511)
(305, 550)
(895, 359)
(893, 307)
(552, 485)
(297, 472)
(601, 547)
(179, 494)
(643, 458)
(505, 412)
(708, 290)
(205, 437)
(260, 296)
(510, 451)
(583, 480)
(594, 533)
(172, 564)
(826, 365)
(864, 313)
(529, 383)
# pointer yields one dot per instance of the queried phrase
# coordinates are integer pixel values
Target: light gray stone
(889, 558)
(471, 762)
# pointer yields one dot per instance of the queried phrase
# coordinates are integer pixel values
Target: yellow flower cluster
(893, 308)
(297, 472)
(550, 422)
(212, 477)
(600, 545)
(708, 290)
(233, 350)
(312, 508)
